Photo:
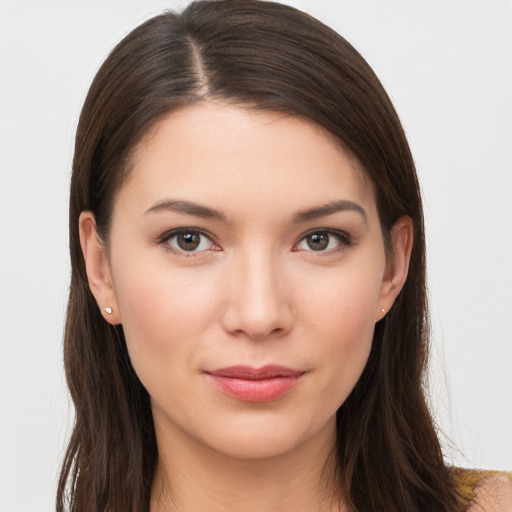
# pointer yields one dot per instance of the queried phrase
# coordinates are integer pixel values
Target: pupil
(188, 241)
(318, 241)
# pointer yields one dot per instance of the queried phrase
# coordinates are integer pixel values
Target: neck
(193, 477)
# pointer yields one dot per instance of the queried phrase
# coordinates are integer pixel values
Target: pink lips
(249, 384)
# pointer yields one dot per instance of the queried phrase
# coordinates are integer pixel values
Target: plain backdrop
(447, 67)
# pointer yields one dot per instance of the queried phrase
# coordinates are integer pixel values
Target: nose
(257, 303)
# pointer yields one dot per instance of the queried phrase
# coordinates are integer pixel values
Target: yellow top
(467, 481)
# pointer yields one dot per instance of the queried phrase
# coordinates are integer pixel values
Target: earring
(383, 310)
(108, 310)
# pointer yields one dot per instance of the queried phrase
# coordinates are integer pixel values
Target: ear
(98, 268)
(397, 265)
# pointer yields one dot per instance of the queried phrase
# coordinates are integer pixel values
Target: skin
(253, 293)
(494, 494)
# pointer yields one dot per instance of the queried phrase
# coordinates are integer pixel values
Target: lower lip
(261, 390)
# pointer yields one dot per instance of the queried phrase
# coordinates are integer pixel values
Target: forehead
(226, 154)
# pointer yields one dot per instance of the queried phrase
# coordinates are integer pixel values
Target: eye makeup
(187, 242)
(324, 241)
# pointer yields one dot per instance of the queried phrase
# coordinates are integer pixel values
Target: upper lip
(249, 373)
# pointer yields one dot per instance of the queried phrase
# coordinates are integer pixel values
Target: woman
(247, 323)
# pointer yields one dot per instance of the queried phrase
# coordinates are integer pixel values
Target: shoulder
(484, 491)
(493, 494)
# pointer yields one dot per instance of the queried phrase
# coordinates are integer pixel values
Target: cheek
(164, 314)
(341, 318)
(343, 302)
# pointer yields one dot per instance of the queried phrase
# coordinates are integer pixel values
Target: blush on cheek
(163, 318)
(343, 317)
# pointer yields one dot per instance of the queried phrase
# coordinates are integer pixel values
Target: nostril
(258, 327)
(259, 334)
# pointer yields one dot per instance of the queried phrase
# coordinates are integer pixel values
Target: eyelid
(168, 235)
(344, 238)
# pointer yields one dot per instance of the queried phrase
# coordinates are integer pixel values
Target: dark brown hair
(272, 57)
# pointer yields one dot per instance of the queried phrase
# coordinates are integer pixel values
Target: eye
(323, 241)
(188, 240)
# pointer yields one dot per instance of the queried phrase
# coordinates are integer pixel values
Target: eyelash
(344, 239)
(165, 239)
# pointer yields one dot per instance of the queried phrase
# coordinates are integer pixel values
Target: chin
(269, 437)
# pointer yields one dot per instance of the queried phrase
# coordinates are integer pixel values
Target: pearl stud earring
(108, 311)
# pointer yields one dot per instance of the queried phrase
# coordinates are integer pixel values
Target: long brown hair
(267, 56)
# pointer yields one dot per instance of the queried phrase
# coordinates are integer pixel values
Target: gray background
(446, 65)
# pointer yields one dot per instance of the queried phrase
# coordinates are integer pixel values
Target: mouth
(249, 384)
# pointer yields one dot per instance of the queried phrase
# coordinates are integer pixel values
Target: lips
(248, 384)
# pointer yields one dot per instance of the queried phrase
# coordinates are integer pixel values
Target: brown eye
(188, 241)
(318, 241)
(324, 241)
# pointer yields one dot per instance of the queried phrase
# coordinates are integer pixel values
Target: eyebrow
(329, 209)
(188, 208)
(205, 212)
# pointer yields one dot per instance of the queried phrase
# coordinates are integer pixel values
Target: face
(247, 267)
